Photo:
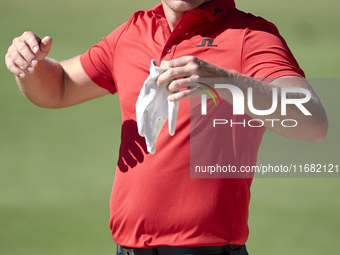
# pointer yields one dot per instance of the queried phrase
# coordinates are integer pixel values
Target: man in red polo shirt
(155, 206)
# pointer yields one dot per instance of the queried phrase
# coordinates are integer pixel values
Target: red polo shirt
(154, 201)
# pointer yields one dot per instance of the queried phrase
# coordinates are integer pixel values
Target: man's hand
(25, 53)
(44, 81)
(186, 68)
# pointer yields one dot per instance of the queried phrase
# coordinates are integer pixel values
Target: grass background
(57, 166)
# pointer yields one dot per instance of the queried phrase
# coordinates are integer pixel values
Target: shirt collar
(212, 10)
(217, 8)
(158, 13)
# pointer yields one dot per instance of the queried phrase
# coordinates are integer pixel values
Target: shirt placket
(173, 40)
(180, 33)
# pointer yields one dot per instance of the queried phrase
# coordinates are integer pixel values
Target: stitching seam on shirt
(242, 49)
(114, 49)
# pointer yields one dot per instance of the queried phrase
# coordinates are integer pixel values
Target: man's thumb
(45, 44)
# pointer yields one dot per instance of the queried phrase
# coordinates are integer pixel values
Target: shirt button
(168, 50)
(179, 27)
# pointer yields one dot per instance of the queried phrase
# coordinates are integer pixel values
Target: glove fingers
(143, 104)
(158, 127)
(140, 112)
(148, 127)
(172, 118)
(141, 122)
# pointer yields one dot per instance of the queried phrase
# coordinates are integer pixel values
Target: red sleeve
(265, 53)
(98, 60)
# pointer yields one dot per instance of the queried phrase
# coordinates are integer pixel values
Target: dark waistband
(174, 250)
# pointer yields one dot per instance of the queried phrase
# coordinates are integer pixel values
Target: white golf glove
(153, 108)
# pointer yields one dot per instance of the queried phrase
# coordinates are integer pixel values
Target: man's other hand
(25, 53)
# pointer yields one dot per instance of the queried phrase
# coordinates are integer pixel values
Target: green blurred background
(57, 166)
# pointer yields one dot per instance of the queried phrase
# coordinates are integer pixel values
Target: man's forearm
(44, 87)
(310, 128)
